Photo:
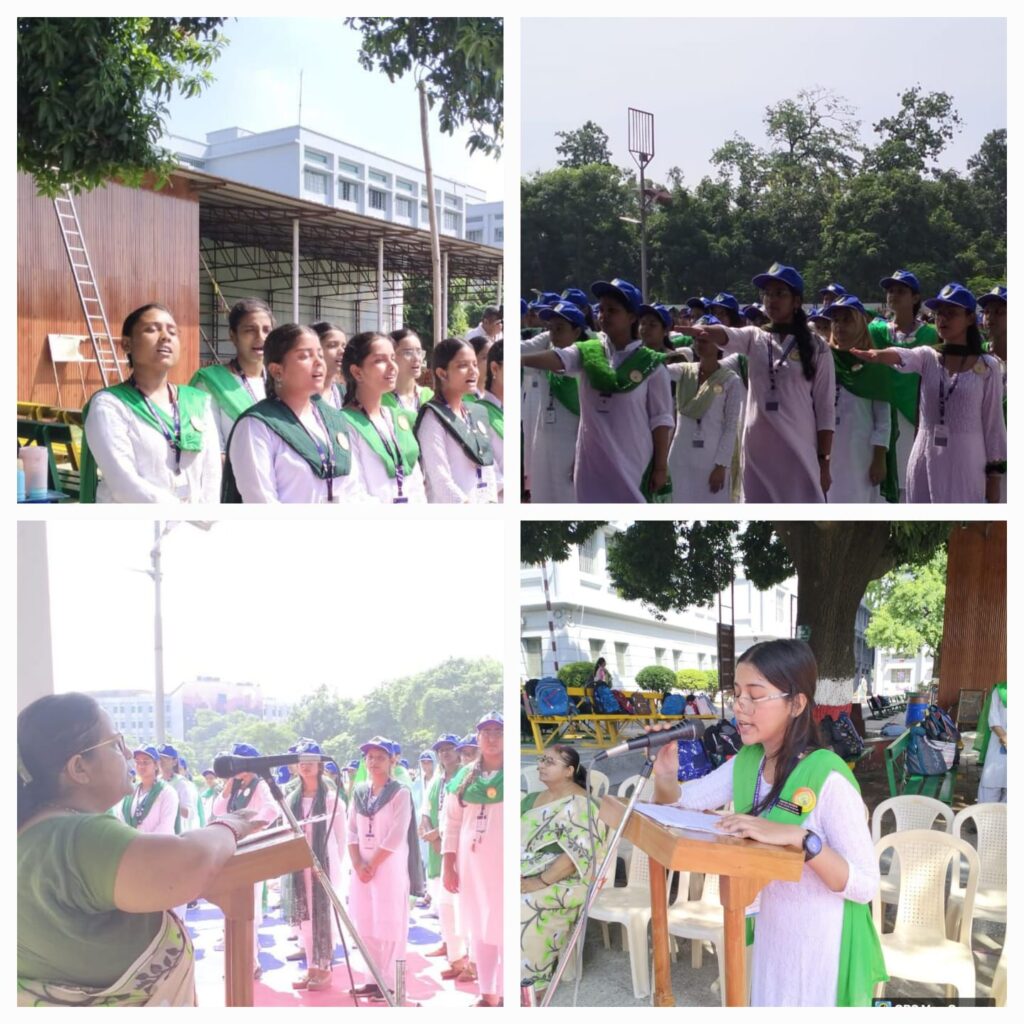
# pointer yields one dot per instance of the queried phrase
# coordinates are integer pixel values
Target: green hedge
(689, 680)
(576, 673)
(656, 677)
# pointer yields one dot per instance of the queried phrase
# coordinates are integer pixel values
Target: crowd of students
(627, 401)
(299, 414)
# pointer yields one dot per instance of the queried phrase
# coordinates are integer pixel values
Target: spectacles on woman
(745, 703)
(116, 738)
(410, 353)
(545, 759)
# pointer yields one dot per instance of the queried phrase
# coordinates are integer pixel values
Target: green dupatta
(226, 387)
(408, 449)
(472, 438)
(635, 369)
(479, 791)
(984, 733)
(861, 962)
(495, 416)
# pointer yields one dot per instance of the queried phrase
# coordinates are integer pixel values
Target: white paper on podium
(678, 817)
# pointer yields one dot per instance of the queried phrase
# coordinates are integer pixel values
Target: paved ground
(606, 977)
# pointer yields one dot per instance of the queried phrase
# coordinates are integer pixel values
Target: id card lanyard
(772, 402)
(173, 439)
(387, 439)
(237, 367)
(480, 828)
(327, 463)
(481, 483)
(941, 437)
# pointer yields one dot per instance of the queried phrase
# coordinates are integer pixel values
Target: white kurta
(992, 788)
(379, 486)
(451, 475)
(137, 464)
(336, 846)
(160, 820)
(861, 425)
(269, 470)
(530, 400)
(498, 446)
(187, 800)
(552, 431)
(224, 421)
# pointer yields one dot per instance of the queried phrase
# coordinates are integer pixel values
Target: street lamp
(641, 147)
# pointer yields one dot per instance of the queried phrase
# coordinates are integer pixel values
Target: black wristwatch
(812, 845)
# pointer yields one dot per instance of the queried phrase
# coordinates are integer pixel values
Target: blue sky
(257, 88)
(704, 79)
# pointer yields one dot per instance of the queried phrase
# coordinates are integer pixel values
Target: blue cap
(844, 302)
(832, 289)
(628, 294)
(659, 311)
(404, 763)
(353, 765)
(467, 741)
(537, 306)
(523, 307)
(954, 294)
(565, 311)
(282, 774)
(332, 767)
(998, 294)
(306, 747)
(780, 272)
(577, 296)
(148, 751)
(727, 300)
(445, 738)
(167, 751)
(901, 277)
(378, 743)
(208, 771)
(816, 313)
(492, 718)
(697, 302)
(244, 750)
(755, 309)
(708, 320)
(549, 298)
(428, 755)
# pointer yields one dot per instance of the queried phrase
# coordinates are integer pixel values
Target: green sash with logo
(495, 416)
(408, 449)
(472, 438)
(226, 387)
(480, 790)
(282, 421)
(565, 390)
(635, 369)
(861, 962)
(390, 399)
(906, 386)
(192, 406)
(145, 807)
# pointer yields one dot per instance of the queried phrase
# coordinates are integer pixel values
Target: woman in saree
(558, 854)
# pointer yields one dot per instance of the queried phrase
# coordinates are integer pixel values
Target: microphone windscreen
(223, 766)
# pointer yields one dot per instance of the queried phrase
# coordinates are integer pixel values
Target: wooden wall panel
(974, 629)
(144, 247)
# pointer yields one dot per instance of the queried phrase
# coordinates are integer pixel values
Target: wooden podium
(744, 868)
(256, 859)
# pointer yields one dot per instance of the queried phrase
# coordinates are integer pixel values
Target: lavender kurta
(976, 433)
(380, 907)
(780, 447)
(861, 425)
(615, 445)
(473, 833)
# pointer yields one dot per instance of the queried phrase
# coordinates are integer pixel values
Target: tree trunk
(435, 238)
(834, 563)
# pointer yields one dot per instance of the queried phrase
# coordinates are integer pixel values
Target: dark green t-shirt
(68, 927)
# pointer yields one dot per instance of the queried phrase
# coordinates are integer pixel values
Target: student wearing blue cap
(993, 308)
(455, 452)
(726, 308)
(551, 410)
(153, 806)
(654, 327)
(790, 413)
(959, 453)
(625, 404)
(830, 293)
(170, 772)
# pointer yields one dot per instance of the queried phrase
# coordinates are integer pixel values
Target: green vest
(408, 449)
(192, 406)
(226, 387)
(472, 438)
(423, 395)
(861, 962)
(283, 422)
(635, 369)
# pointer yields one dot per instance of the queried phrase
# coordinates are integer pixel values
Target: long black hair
(788, 665)
(243, 307)
(355, 354)
(804, 342)
(495, 354)
(51, 731)
(444, 352)
(571, 758)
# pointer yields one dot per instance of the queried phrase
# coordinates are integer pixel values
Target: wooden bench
(903, 783)
(594, 729)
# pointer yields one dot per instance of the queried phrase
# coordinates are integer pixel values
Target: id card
(400, 501)
(698, 442)
(941, 437)
(771, 406)
(183, 491)
(549, 415)
(604, 403)
(837, 419)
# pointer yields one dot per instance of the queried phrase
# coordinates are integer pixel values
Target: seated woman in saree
(558, 855)
(93, 928)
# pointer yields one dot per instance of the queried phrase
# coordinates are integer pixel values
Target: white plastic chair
(630, 907)
(910, 812)
(999, 978)
(625, 791)
(917, 948)
(597, 783)
(529, 781)
(990, 900)
(701, 920)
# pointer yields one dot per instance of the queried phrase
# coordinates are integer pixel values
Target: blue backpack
(693, 760)
(673, 704)
(604, 700)
(922, 758)
(550, 698)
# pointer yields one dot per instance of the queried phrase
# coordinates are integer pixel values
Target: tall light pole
(641, 147)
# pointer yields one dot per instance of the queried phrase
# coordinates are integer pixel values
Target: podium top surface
(259, 858)
(684, 850)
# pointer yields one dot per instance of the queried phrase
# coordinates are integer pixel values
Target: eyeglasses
(747, 703)
(545, 759)
(411, 353)
(116, 738)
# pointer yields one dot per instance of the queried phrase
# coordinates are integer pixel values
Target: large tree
(670, 566)
(93, 94)
(586, 145)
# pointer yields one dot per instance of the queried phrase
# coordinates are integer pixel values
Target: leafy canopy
(585, 145)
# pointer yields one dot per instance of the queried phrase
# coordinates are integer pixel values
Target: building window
(780, 604)
(378, 199)
(499, 234)
(659, 655)
(596, 647)
(315, 183)
(534, 668)
(313, 157)
(475, 236)
(348, 191)
(405, 186)
(451, 221)
(676, 656)
(453, 201)
(700, 660)
(588, 555)
(378, 176)
(403, 207)
(621, 659)
(901, 675)
(349, 168)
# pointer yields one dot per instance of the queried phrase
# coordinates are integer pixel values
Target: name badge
(549, 415)
(535, 383)
(837, 420)
(788, 805)
(941, 437)
(400, 501)
(771, 406)
(604, 403)
(698, 442)
(183, 492)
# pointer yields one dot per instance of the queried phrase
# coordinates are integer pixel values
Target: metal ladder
(88, 292)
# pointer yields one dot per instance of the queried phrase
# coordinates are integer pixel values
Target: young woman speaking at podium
(814, 940)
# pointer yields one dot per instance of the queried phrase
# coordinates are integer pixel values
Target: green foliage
(459, 60)
(690, 680)
(908, 607)
(540, 541)
(919, 131)
(586, 145)
(93, 94)
(215, 733)
(458, 321)
(656, 677)
(576, 673)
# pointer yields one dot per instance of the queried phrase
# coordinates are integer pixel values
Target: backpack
(842, 737)
(922, 757)
(941, 731)
(721, 741)
(693, 760)
(623, 702)
(704, 705)
(604, 700)
(550, 697)
(673, 704)
(851, 738)
(641, 705)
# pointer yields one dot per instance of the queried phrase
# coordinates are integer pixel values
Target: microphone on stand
(650, 740)
(227, 765)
